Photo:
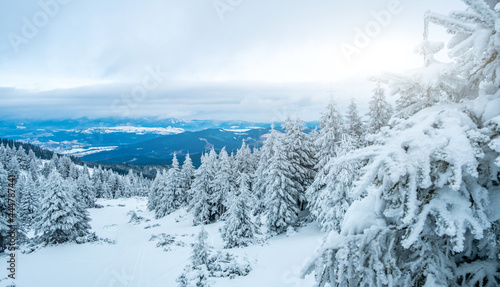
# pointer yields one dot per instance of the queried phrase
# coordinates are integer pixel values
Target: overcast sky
(201, 59)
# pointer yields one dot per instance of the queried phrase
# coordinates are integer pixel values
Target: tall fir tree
(330, 133)
(60, 218)
(280, 201)
(239, 229)
(354, 126)
(222, 185)
(265, 155)
(170, 198)
(300, 156)
(200, 204)
(380, 110)
(187, 177)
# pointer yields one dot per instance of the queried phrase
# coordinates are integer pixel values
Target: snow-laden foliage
(239, 229)
(425, 209)
(280, 200)
(261, 181)
(187, 176)
(172, 195)
(380, 110)
(354, 126)
(223, 184)
(300, 156)
(475, 43)
(61, 217)
(331, 188)
(200, 190)
(420, 88)
(205, 264)
(330, 133)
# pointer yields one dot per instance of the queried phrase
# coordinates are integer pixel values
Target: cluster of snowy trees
(272, 187)
(418, 205)
(205, 263)
(52, 195)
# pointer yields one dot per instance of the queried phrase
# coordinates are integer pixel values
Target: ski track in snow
(135, 261)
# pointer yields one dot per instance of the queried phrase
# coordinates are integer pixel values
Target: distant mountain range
(143, 141)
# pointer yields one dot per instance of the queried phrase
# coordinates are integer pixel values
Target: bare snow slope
(136, 261)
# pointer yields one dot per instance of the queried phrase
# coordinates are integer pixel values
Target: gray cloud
(263, 56)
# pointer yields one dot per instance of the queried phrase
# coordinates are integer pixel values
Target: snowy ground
(136, 261)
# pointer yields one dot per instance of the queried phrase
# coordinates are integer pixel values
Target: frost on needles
(425, 210)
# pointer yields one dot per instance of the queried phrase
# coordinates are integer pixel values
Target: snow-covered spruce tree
(196, 274)
(153, 191)
(280, 200)
(85, 191)
(354, 125)
(436, 82)
(330, 133)
(223, 184)
(432, 186)
(187, 177)
(332, 196)
(239, 229)
(425, 210)
(171, 197)
(300, 156)
(475, 44)
(28, 203)
(22, 158)
(64, 166)
(245, 163)
(116, 186)
(60, 217)
(13, 166)
(265, 155)
(200, 204)
(327, 145)
(380, 110)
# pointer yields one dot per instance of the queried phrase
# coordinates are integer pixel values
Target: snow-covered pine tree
(423, 87)
(330, 133)
(332, 188)
(423, 200)
(22, 158)
(265, 155)
(116, 186)
(300, 156)
(223, 184)
(380, 110)
(474, 45)
(200, 189)
(244, 160)
(153, 192)
(13, 166)
(64, 166)
(171, 197)
(85, 191)
(60, 218)
(187, 177)
(327, 145)
(280, 200)
(48, 167)
(354, 126)
(28, 204)
(430, 214)
(239, 229)
(196, 274)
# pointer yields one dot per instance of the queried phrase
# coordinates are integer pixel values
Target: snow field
(134, 260)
